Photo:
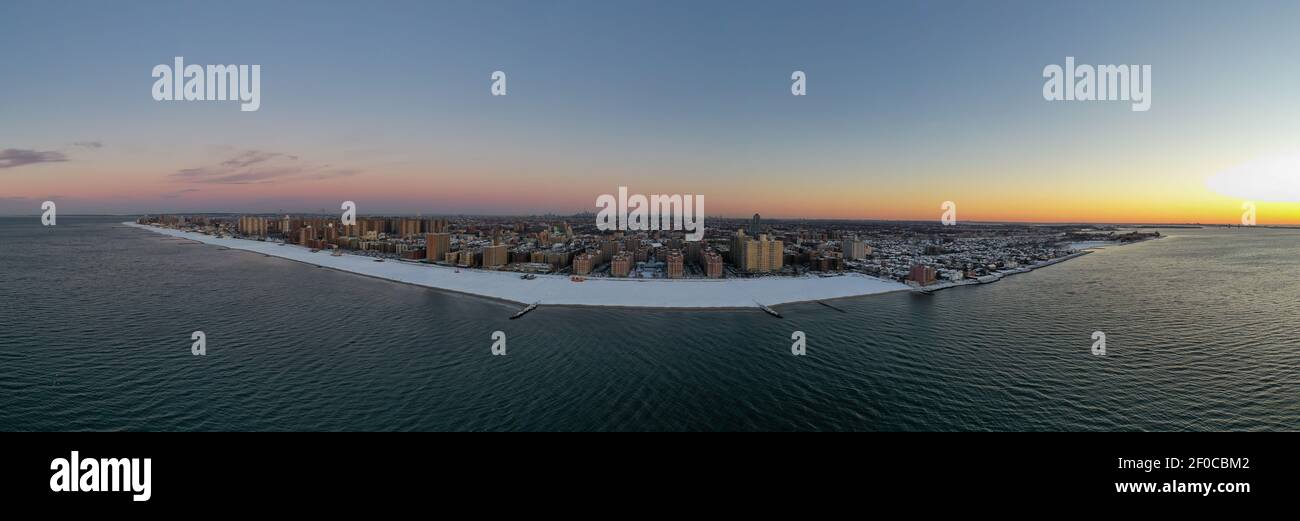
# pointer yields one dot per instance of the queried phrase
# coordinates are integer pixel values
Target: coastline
(994, 277)
(506, 286)
(1083, 247)
(558, 290)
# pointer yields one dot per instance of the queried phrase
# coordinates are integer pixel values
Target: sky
(909, 104)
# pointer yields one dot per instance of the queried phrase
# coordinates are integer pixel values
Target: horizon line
(824, 219)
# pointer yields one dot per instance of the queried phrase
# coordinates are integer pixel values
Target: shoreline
(991, 278)
(507, 287)
(994, 277)
(557, 290)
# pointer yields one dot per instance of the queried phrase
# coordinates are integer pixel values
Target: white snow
(559, 290)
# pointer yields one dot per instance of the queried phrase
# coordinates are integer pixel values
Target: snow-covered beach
(560, 290)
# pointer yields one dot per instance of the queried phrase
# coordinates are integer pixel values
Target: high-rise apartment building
(252, 226)
(607, 250)
(712, 264)
(856, 249)
(621, 266)
(921, 274)
(495, 256)
(761, 255)
(674, 264)
(407, 227)
(436, 246)
(582, 263)
(436, 226)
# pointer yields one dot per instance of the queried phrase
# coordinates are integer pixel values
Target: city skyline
(391, 109)
(783, 255)
(728, 226)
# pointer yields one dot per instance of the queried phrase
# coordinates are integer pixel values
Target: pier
(768, 310)
(525, 311)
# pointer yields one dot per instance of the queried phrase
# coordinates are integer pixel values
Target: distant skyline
(909, 104)
(711, 218)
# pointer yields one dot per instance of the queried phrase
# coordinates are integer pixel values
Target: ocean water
(96, 322)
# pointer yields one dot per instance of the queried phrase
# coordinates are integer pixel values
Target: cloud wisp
(15, 157)
(260, 166)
